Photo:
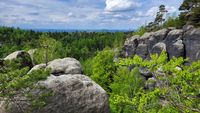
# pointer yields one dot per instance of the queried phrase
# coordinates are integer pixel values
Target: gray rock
(130, 46)
(65, 66)
(24, 56)
(75, 94)
(187, 27)
(72, 94)
(157, 37)
(191, 40)
(144, 39)
(145, 72)
(158, 48)
(176, 49)
(142, 50)
(174, 44)
(131, 40)
(36, 67)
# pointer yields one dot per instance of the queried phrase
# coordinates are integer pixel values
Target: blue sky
(82, 14)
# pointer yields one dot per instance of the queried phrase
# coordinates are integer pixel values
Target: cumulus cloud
(121, 5)
(89, 14)
(153, 11)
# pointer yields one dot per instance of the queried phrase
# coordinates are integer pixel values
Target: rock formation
(23, 56)
(73, 91)
(176, 42)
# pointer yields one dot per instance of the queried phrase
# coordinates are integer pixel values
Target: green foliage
(190, 12)
(125, 86)
(49, 49)
(159, 17)
(178, 89)
(16, 82)
(140, 31)
(172, 22)
(79, 45)
(101, 68)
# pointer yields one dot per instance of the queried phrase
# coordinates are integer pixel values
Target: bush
(17, 82)
(177, 89)
(101, 68)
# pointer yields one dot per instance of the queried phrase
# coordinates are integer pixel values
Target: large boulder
(191, 40)
(144, 39)
(73, 93)
(174, 44)
(65, 66)
(158, 48)
(142, 50)
(37, 67)
(23, 56)
(176, 49)
(130, 46)
(157, 37)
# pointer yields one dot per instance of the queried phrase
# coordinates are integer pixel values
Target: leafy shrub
(177, 89)
(102, 68)
(140, 31)
(16, 82)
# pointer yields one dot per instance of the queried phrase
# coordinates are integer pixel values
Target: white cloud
(152, 12)
(135, 19)
(121, 5)
(80, 13)
(171, 9)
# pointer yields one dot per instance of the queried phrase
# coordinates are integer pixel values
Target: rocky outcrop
(24, 57)
(73, 91)
(158, 48)
(65, 66)
(191, 40)
(130, 46)
(176, 42)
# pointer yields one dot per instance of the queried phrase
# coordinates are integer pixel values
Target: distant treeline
(80, 45)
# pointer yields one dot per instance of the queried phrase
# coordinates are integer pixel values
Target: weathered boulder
(25, 59)
(73, 93)
(158, 48)
(191, 40)
(144, 39)
(176, 49)
(157, 37)
(142, 50)
(36, 67)
(65, 66)
(174, 44)
(130, 46)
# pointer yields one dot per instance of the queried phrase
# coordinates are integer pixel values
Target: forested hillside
(80, 45)
(155, 69)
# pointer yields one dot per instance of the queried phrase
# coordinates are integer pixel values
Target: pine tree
(191, 12)
(160, 15)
